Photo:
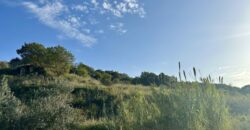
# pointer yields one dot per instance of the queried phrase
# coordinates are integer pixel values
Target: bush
(11, 108)
(46, 107)
(50, 113)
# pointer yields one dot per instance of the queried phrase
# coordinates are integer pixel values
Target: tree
(136, 80)
(106, 79)
(58, 60)
(148, 78)
(14, 63)
(54, 60)
(33, 53)
(167, 80)
(83, 70)
(119, 77)
(97, 74)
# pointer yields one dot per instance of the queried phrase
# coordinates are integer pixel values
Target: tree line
(36, 59)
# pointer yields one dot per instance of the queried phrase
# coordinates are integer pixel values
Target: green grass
(78, 103)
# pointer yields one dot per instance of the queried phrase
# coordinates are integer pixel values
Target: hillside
(69, 104)
(44, 89)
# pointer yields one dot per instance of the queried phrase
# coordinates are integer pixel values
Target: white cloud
(49, 14)
(107, 6)
(239, 35)
(95, 3)
(79, 19)
(119, 27)
(123, 7)
(75, 21)
(82, 8)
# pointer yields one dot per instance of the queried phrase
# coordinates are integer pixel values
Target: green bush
(50, 113)
(46, 107)
(11, 108)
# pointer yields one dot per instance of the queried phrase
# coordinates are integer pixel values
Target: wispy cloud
(49, 14)
(239, 35)
(119, 27)
(77, 20)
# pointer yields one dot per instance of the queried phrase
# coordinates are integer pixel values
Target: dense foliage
(54, 61)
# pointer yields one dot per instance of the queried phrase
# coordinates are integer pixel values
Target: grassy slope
(188, 106)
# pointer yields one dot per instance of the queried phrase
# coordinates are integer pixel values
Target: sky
(132, 36)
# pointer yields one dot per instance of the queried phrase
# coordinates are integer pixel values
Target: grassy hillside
(85, 104)
(45, 90)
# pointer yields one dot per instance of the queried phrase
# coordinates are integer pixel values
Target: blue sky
(132, 36)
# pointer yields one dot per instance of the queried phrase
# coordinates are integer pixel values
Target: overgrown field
(76, 103)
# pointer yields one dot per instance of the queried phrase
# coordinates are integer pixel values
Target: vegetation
(54, 61)
(69, 104)
(4, 65)
(40, 91)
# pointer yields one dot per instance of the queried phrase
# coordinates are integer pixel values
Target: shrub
(11, 108)
(50, 113)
